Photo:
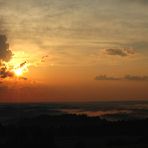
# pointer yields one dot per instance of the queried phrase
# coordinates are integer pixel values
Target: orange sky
(76, 50)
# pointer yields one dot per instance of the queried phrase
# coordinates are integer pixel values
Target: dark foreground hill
(72, 131)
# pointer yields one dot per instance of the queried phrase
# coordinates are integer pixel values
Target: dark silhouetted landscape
(70, 130)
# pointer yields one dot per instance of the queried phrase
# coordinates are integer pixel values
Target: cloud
(44, 58)
(126, 77)
(5, 53)
(5, 56)
(136, 78)
(119, 52)
(104, 77)
(4, 73)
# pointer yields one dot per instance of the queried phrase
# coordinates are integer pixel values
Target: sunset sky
(75, 50)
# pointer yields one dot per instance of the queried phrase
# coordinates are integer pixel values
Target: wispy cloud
(137, 1)
(126, 77)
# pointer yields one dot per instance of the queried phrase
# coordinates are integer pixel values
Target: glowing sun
(21, 69)
(18, 72)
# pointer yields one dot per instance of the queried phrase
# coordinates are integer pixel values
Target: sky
(74, 50)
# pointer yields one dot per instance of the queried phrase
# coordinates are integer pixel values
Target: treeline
(44, 130)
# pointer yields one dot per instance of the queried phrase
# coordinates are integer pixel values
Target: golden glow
(21, 69)
(18, 72)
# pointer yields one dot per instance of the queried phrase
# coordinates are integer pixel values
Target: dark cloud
(4, 73)
(5, 53)
(126, 77)
(22, 64)
(104, 77)
(44, 58)
(136, 78)
(5, 56)
(119, 52)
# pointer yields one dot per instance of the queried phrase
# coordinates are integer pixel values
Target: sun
(18, 72)
(20, 69)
